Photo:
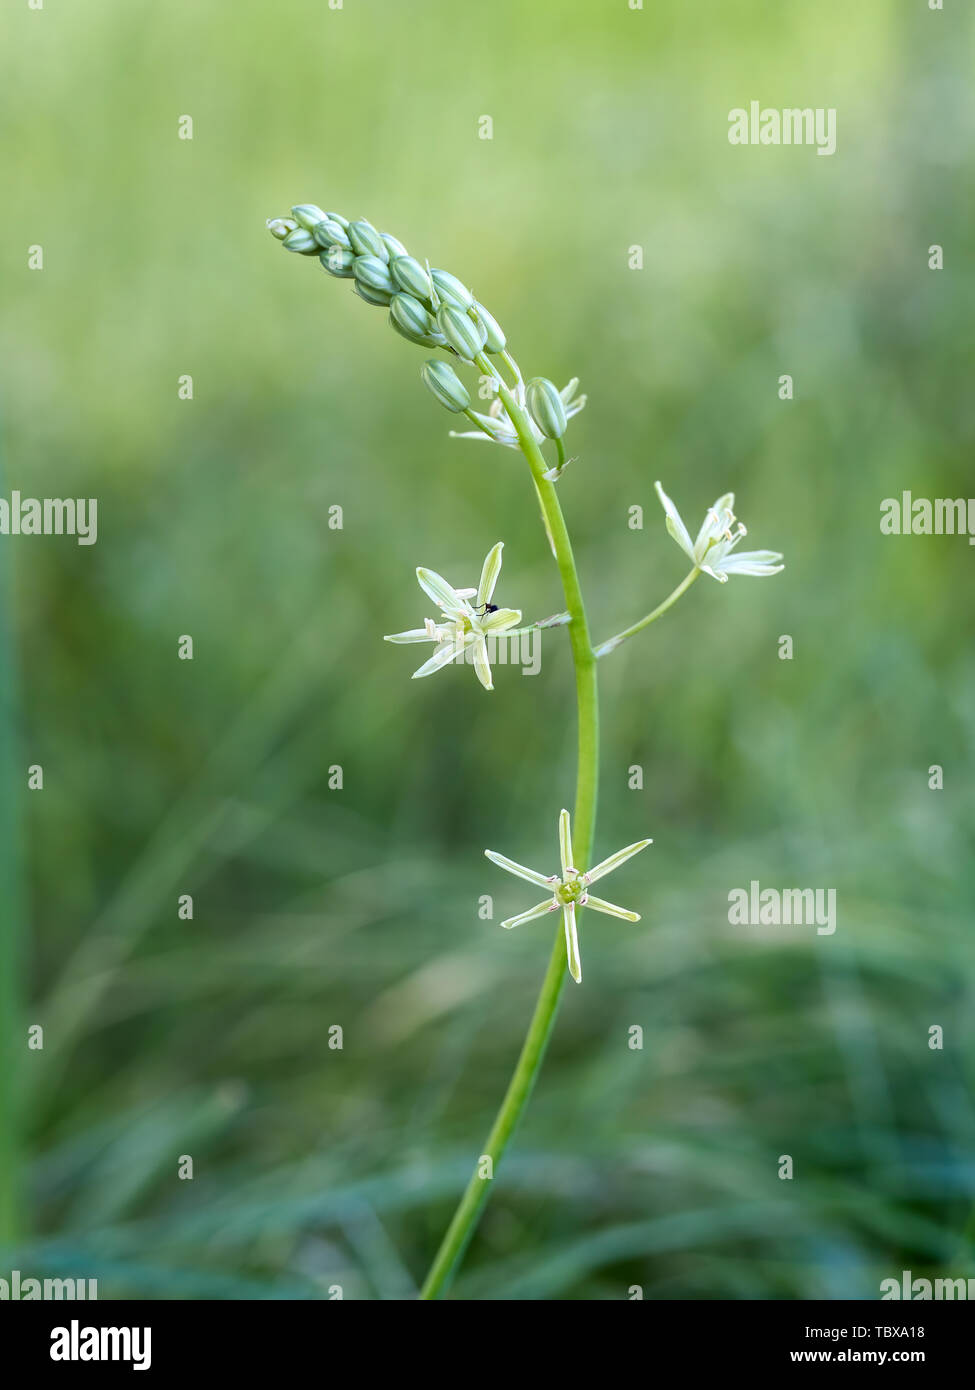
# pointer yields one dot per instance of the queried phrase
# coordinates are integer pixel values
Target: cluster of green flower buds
(429, 307)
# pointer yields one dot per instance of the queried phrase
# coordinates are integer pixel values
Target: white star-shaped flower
(712, 551)
(569, 890)
(463, 626)
(497, 423)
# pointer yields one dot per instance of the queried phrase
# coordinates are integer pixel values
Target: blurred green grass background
(313, 907)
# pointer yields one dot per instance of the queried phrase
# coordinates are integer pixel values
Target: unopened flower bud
(338, 261)
(280, 226)
(337, 217)
(366, 241)
(446, 385)
(301, 241)
(377, 297)
(432, 340)
(464, 335)
(330, 233)
(394, 247)
(412, 320)
(410, 275)
(307, 214)
(452, 290)
(496, 340)
(546, 406)
(373, 273)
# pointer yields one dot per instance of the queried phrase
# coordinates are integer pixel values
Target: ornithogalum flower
(712, 551)
(463, 626)
(569, 890)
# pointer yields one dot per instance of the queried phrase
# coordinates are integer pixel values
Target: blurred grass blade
(12, 927)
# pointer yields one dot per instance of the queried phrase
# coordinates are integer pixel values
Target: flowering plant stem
(465, 1218)
(612, 643)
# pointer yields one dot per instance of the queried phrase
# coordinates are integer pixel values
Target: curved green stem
(612, 643)
(466, 1216)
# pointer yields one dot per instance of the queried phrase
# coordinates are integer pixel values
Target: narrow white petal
(490, 422)
(500, 619)
(675, 526)
(489, 574)
(415, 634)
(759, 562)
(611, 910)
(445, 653)
(482, 666)
(615, 860)
(537, 911)
(572, 942)
(444, 595)
(519, 870)
(565, 840)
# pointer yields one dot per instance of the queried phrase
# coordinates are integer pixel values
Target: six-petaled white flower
(569, 890)
(463, 626)
(712, 552)
(497, 424)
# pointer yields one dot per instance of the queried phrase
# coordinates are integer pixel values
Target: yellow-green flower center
(570, 890)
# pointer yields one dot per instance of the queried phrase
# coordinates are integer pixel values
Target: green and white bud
(337, 217)
(495, 341)
(338, 261)
(301, 241)
(410, 275)
(547, 407)
(452, 290)
(373, 273)
(331, 234)
(446, 385)
(366, 241)
(307, 214)
(394, 247)
(377, 297)
(280, 226)
(434, 340)
(413, 321)
(464, 335)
